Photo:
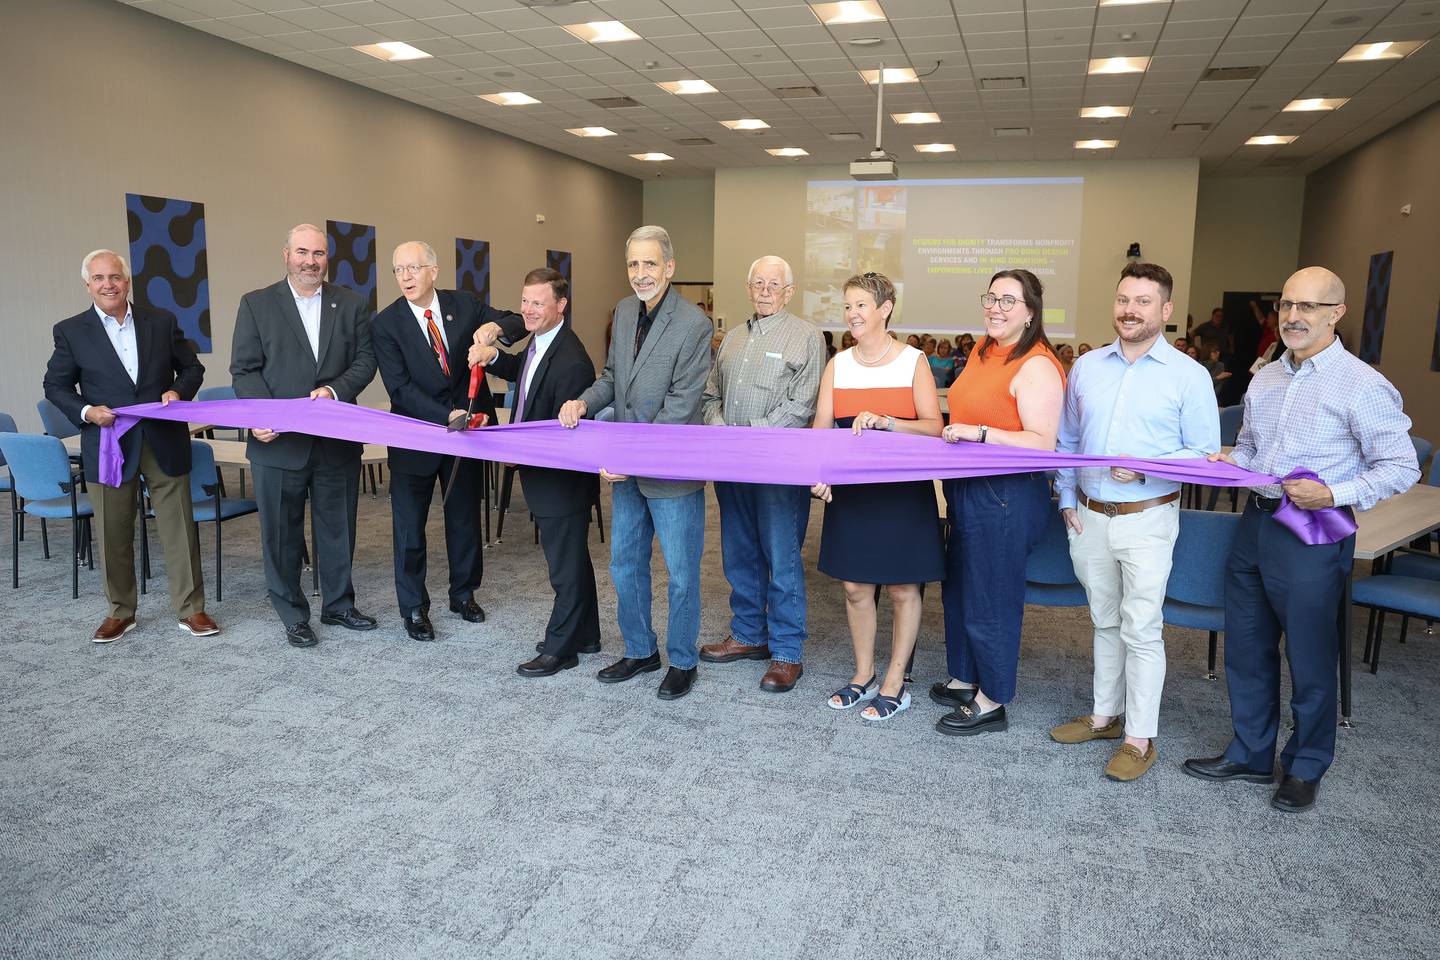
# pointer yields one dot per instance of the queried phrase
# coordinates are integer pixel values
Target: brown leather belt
(1123, 509)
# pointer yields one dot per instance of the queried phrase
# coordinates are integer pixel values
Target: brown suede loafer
(199, 625)
(1129, 763)
(1079, 730)
(112, 629)
(781, 677)
(730, 649)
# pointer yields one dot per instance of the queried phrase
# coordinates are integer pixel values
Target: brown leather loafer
(1129, 763)
(781, 677)
(731, 649)
(200, 625)
(1079, 730)
(112, 629)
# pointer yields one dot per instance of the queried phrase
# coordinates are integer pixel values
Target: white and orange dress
(880, 532)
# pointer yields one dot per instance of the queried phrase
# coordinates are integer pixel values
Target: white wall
(686, 208)
(1247, 237)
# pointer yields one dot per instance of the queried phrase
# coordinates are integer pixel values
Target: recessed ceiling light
(1096, 144)
(687, 87)
(1385, 50)
(850, 11)
(1315, 103)
(510, 98)
(393, 50)
(601, 31)
(1101, 113)
(892, 75)
(1269, 140)
(1119, 65)
(652, 157)
(864, 41)
(934, 148)
(590, 131)
(788, 152)
(915, 117)
(745, 124)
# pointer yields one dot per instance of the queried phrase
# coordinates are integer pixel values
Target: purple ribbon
(1323, 526)
(667, 451)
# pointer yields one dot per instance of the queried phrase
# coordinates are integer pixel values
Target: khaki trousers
(115, 510)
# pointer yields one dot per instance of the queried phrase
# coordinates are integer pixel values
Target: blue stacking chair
(1195, 594)
(1230, 419)
(48, 490)
(1050, 579)
(223, 393)
(1391, 593)
(7, 482)
(209, 502)
(1423, 449)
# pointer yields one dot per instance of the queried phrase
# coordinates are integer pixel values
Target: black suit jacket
(270, 358)
(562, 374)
(413, 378)
(85, 371)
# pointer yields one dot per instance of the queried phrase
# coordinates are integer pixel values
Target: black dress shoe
(351, 619)
(952, 697)
(967, 720)
(418, 626)
(592, 647)
(627, 667)
(1295, 795)
(677, 683)
(301, 635)
(1219, 768)
(547, 665)
(468, 609)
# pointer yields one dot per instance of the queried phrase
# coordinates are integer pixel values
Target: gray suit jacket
(270, 358)
(665, 383)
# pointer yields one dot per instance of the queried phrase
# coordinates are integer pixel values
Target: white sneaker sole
(122, 633)
(197, 633)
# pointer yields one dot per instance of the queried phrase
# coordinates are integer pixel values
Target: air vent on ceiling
(1010, 131)
(1190, 127)
(1221, 74)
(796, 93)
(695, 142)
(845, 135)
(616, 103)
(1002, 83)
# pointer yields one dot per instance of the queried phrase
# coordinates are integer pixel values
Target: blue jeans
(994, 524)
(679, 522)
(762, 531)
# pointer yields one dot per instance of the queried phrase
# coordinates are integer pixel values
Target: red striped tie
(437, 344)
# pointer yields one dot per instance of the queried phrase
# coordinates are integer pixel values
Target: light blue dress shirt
(1160, 406)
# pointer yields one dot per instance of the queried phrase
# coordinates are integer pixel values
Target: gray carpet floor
(167, 796)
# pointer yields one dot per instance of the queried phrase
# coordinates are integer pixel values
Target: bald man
(421, 341)
(766, 374)
(1320, 409)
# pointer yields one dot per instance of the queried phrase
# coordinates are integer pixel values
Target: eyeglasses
(1306, 307)
(410, 268)
(1007, 302)
(772, 286)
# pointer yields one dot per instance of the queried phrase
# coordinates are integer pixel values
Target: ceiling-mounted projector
(878, 166)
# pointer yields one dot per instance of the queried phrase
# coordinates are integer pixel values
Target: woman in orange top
(878, 532)
(1010, 394)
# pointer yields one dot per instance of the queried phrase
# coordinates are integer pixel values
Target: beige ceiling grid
(1011, 81)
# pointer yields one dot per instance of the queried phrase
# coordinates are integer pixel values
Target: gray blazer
(665, 383)
(270, 358)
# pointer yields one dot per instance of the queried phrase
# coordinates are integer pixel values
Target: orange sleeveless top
(981, 394)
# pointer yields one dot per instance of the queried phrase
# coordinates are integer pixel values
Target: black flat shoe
(351, 619)
(592, 647)
(301, 635)
(677, 683)
(1218, 768)
(952, 697)
(547, 665)
(418, 626)
(627, 667)
(471, 611)
(1295, 795)
(967, 721)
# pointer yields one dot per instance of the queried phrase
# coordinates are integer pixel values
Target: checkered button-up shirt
(767, 374)
(1334, 415)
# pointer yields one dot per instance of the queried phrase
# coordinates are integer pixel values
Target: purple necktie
(520, 383)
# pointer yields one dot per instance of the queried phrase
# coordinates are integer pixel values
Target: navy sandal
(853, 694)
(886, 707)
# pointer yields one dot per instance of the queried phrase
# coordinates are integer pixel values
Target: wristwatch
(983, 431)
